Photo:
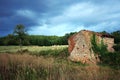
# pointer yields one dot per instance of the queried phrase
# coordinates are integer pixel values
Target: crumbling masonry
(80, 46)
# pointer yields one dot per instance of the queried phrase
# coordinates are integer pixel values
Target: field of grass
(48, 63)
(13, 49)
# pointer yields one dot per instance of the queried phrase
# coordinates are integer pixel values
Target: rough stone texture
(80, 46)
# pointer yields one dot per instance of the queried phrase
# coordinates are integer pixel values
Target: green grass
(46, 51)
(4, 49)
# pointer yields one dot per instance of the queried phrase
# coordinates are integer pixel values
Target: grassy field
(13, 49)
(48, 63)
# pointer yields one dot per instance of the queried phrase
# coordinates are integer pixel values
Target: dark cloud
(9, 17)
(8, 24)
(67, 15)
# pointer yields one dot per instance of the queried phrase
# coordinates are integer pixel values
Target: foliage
(104, 32)
(9, 40)
(112, 59)
(66, 36)
(98, 48)
(20, 33)
(39, 40)
(116, 36)
(44, 40)
(108, 58)
(117, 47)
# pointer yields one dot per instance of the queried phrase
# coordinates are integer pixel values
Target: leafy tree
(9, 39)
(104, 32)
(116, 36)
(1, 41)
(117, 47)
(21, 34)
(66, 36)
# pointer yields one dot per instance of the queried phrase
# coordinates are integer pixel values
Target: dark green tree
(20, 33)
(66, 37)
(116, 36)
(104, 32)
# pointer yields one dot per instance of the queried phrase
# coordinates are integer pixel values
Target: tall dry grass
(30, 67)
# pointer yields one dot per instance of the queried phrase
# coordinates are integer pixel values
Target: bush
(111, 59)
(117, 47)
(108, 58)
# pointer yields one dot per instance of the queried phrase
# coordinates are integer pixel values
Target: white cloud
(76, 16)
(87, 12)
(105, 26)
(79, 10)
(26, 13)
(59, 30)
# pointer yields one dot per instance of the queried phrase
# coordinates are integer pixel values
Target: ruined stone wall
(109, 42)
(80, 46)
(71, 43)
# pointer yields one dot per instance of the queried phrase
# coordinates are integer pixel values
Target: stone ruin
(80, 47)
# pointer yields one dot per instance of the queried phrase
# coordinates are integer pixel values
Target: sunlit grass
(9, 49)
(14, 49)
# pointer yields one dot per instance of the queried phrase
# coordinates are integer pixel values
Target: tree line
(21, 37)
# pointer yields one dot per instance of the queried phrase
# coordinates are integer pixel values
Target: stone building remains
(80, 47)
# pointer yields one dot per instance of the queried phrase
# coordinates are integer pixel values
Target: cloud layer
(58, 17)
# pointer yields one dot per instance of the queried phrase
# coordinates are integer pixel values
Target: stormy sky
(57, 17)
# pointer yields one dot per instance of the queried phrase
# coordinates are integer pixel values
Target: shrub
(111, 59)
(117, 47)
(108, 58)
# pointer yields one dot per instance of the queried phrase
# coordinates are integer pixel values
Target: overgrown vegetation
(116, 36)
(108, 58)
(98, 48)
(117, 47)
